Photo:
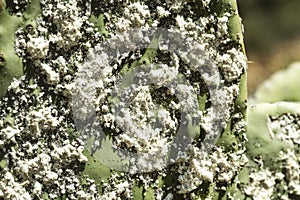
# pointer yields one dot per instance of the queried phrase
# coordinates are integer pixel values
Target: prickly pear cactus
(273, 139)
(185, 176)
(124, 100)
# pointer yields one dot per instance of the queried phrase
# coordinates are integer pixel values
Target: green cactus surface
(280, 86)
(261, 141)
(273, 132)
(11, 65)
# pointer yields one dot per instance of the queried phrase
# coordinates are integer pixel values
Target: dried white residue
(142, 126)
(66, 58)
(12, 189)
(8, 134)
(52, 76)
(162, 12)
(261, 185)
(37, 47)
(68, 19)
(232, 64)
(39, 152)
(213, 168)
(133, 16)
(44, 159)
(287, 129)
(117, 187)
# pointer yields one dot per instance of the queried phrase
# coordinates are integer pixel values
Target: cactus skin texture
(100, 173)
(10, 64)
(270, 157)
(260, 141)
(280, 87)
(261, 145)
(231, 140)
(276, 98)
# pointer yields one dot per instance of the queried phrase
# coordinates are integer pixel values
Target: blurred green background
(272, 36)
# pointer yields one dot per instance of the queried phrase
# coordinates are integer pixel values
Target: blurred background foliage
(272, 36)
